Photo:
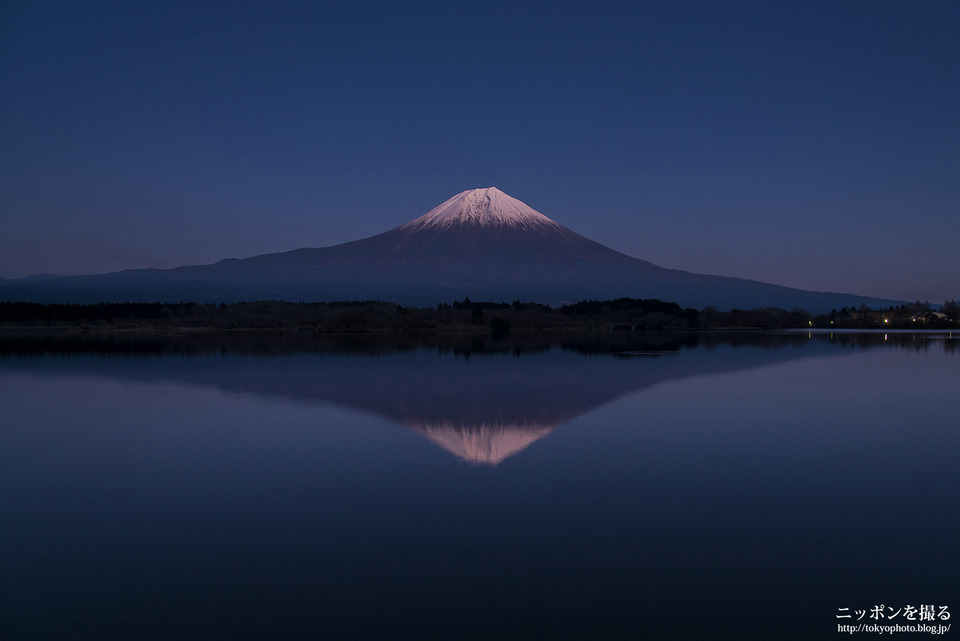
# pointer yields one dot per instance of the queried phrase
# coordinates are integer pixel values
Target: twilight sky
(810, 144)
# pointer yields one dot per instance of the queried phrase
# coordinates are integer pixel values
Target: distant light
(886, 320)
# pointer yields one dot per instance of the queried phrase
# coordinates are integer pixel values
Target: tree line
(465, 315)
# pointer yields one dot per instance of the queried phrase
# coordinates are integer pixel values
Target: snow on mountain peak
(488, 207)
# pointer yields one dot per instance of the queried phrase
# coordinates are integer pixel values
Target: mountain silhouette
(481, 244)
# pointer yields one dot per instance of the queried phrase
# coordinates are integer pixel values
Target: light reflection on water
(674, 487)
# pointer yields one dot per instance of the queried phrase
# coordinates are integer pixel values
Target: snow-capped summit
(488, 207)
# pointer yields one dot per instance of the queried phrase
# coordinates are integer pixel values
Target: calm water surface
(575, 487)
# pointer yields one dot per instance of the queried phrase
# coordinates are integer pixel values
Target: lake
(568, 486)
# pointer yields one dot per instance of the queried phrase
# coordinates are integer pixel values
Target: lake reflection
(582, 486)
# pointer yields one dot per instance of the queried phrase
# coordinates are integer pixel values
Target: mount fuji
(481, 244)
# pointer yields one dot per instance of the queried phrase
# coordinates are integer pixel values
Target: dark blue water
(703, 487)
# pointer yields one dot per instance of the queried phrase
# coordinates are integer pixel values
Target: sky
(810, 144)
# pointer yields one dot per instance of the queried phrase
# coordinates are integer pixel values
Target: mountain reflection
(483, 444)
(481, 399)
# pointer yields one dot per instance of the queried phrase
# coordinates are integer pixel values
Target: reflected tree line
(19, 343)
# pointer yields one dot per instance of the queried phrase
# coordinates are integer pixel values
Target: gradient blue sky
(811, 144)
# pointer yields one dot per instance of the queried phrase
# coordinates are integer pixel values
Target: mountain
(481, 244)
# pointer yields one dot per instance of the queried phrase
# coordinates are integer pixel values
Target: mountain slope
(480, 243)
